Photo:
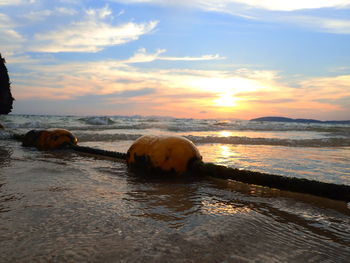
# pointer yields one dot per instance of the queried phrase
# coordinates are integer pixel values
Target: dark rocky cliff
(6, 98)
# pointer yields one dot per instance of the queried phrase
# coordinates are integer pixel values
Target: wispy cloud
(91, 34)
(5, 21)
(16, 2)
(44, 14)
(101, 13)
(289, 5)
(326, 88)
(231, 5)
(10, 39)
(331, 25)
(126, 86)
(180, 92)
(142, 56)
(135, 93)
(271, 11)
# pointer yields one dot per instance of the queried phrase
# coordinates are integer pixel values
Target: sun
(225, 100)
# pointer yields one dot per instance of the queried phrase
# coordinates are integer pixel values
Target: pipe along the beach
(178, 156)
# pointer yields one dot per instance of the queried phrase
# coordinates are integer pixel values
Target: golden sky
(198, 59)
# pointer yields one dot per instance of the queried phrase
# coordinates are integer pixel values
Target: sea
(64, 206)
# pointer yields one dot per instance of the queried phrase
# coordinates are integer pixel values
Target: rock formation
(6, 98)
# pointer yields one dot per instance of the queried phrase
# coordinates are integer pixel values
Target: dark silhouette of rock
(6, 98)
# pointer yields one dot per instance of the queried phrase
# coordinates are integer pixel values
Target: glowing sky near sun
(198, 59)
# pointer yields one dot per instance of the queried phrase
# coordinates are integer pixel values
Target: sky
(188, 59)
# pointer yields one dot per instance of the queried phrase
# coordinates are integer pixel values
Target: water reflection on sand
(5, 156)
(72, 208)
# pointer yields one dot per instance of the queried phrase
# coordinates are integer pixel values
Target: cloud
(108, 78)
(314, 97)
(135, 93)
(70, 1)
(230, 6)
(331, 25)
(10, 39)
(16, 2)
(40, 15)
(204, 57)
(141, 56)
(326, 88)
(124, 88)
(101, 13)
(5, 21)
(272, 11)
(290, 5)
(91, 34)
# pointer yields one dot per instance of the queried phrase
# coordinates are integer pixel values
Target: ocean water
(62, 206)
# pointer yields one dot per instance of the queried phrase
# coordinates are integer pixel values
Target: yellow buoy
(162, 154)
(48, 139)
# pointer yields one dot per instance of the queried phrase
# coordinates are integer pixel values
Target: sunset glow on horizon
(190, 59)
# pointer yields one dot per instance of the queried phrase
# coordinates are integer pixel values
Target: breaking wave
(326, 142)
(98, 120)
(106, 137)
(30, 124)
(164, 124)
(118, 128)
(5, 135)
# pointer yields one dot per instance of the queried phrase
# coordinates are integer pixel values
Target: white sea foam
(117, 128)
(327, 142)
(98, 120)
(5, 135)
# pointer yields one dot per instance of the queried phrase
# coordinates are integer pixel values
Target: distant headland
(284, 119)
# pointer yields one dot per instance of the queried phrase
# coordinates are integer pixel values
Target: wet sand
(64, 207)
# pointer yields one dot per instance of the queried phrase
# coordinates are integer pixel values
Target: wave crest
(326, 142)
(98, 120)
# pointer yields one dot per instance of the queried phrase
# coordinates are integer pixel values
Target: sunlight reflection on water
(65, 207)
(210, 207)
(324, 164)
